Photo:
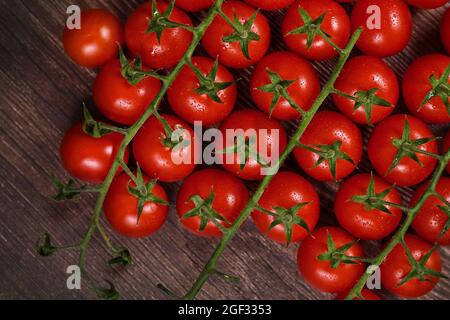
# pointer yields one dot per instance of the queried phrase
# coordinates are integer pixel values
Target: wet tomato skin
(193, 5)
(445, 30)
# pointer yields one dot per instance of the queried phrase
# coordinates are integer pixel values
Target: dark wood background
(41, 92)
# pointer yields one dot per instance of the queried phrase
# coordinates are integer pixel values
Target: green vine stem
(399, 235)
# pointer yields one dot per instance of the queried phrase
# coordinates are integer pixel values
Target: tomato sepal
(439, 88)
(122, 258)
(336, 256)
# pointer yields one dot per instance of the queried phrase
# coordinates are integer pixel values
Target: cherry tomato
(318, 270)
(446, 146)
(417, 84)
(270, 4)
(445, 30)
(87, 158)
(193, 5)
(383, 150)
(336, 24)
(366, 217)
(366, 294)
(120, 101)
(303, 84)
(192, 105)
(337, 143)
(121, 209)
(426, 4)
(386, 24)
(95, 43)
(294, 202)
(265, 133)
(223, 41)
(173, 43)
(397, 266)
(157, 157)
(218, 198)
(432, 218)
(371, 81)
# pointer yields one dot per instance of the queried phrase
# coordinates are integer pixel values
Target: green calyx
(160, 21)
(310, 27)
(246, 149)
(97, 129)
(336, 256)
(446, 209)
(372, 200)
(132, 71)
(439, 88)
(169, 139)
(67, 191)
(107, 293)
(122, 258)
(44, 247)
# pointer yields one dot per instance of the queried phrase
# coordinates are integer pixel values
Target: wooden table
(41, 92)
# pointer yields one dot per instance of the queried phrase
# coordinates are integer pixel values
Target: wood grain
(41, 92)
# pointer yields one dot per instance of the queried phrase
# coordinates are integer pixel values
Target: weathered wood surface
(40, 97)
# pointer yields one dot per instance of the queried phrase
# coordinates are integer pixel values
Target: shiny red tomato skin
(117, 99)
(336, 24)
(248, 120)
(366, 293)
(193, 5)
(446, 147)
(174, 41)
(286, 190)
(230, 54)
(416, 85)
(121, 209)
(396, 266)
(191, 106)
(96, 42)
(356, 219)
(288, 66)
(230, 198)
(155, 158)
(320, 274)
(395, 28)
(89, 159)
(426, 4)
(430, 220)
(445, 30)
(270, 4)
(363, 73)
(326, 128)
(382, 152)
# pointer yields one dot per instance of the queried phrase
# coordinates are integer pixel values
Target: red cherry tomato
(366, 293)
(229, 196)
(417, 85)
(96, 42)
(333, 136)
(160, 160)
(336, 24)
(265, 132)
(303, 90)
(87, 158)
(382, 150)
(231, 52)
(319, 272)
(193, 5)
(286, 191)
(165, 53)
(431, 219)
(121, 209)
(120, 101)
(361, 218)
(445, 30)
(426, 4)
(193, 106)
(369, 79)
(270, 4)
(387, 26)
(396, 267)
(446, 146)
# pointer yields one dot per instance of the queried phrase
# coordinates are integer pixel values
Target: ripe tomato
(397, 267)
(95, 43)
(293, 76)
(446, 146)
(337, 145)
(294, 205)
(417, 85)
(210, 197)
(319, 267)
(432, 217)
(386, 31)
(173, 43)
(87, 158)
(155, 155)
(371, 81)
(121, 209)
(366, 293)
(193, 5)
(336, 24)
(211, 104)
(258, 131)
(385, 145)
(360, 209)
(426, 4)
(120, 101)
(445, 30)
(270, 4)
(238, 49)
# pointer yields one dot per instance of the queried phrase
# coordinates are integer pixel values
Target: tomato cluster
(284, 85)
